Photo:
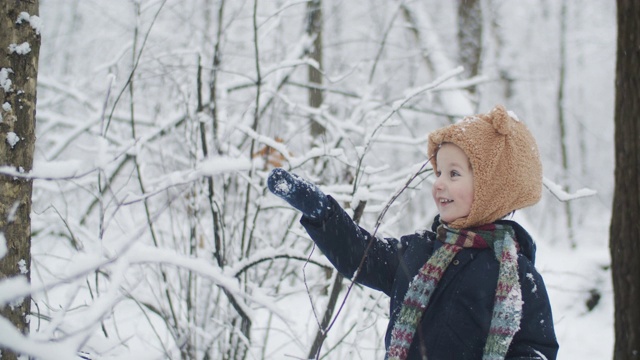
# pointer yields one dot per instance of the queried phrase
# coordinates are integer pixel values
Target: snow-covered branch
(560, 194)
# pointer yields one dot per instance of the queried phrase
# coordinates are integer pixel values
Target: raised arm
(336, 235)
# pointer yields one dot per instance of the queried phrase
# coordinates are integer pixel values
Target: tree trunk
(314, 30)
(625, 229)
(455, 103)
(20, 46)
(562, 123)
(470, 37)
(505, 70)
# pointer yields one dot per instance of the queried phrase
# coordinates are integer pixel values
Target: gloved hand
(299, 193)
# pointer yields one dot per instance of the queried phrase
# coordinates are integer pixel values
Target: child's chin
(448, 218)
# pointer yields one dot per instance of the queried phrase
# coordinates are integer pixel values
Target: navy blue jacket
(456, 323)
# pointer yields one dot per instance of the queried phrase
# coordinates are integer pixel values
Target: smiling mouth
(445, 201)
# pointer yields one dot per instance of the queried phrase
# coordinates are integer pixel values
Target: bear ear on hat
(437, 136)
(435, 140)
(500, 119)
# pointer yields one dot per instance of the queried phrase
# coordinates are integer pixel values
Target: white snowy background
(146, 151)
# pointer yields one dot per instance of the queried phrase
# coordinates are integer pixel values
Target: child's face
(453, 188)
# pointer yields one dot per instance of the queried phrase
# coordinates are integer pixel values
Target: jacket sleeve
(345, 244)
(536, 338)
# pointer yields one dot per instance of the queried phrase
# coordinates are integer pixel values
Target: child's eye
(454, 173)
(438, 173)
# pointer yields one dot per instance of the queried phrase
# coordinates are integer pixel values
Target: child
(469, 289)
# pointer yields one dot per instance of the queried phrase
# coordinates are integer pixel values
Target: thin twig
(281, 256)
(325, 325)
(135, 66)
(383, 43)
(373, 237)
(306, 286)
(395, 108)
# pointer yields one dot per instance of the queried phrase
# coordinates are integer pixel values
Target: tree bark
(562, 122)
(20, 47)
(314, 30)
(470, 37)
(624, 242)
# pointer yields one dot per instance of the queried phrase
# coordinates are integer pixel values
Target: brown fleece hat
(507, 173)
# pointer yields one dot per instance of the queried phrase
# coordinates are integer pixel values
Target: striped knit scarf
(507, 306)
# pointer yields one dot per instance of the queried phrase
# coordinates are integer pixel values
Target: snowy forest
(153, 235)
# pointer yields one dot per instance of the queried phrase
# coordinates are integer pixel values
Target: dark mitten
(299, 193)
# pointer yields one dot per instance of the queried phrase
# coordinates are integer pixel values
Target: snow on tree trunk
(20, 41)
